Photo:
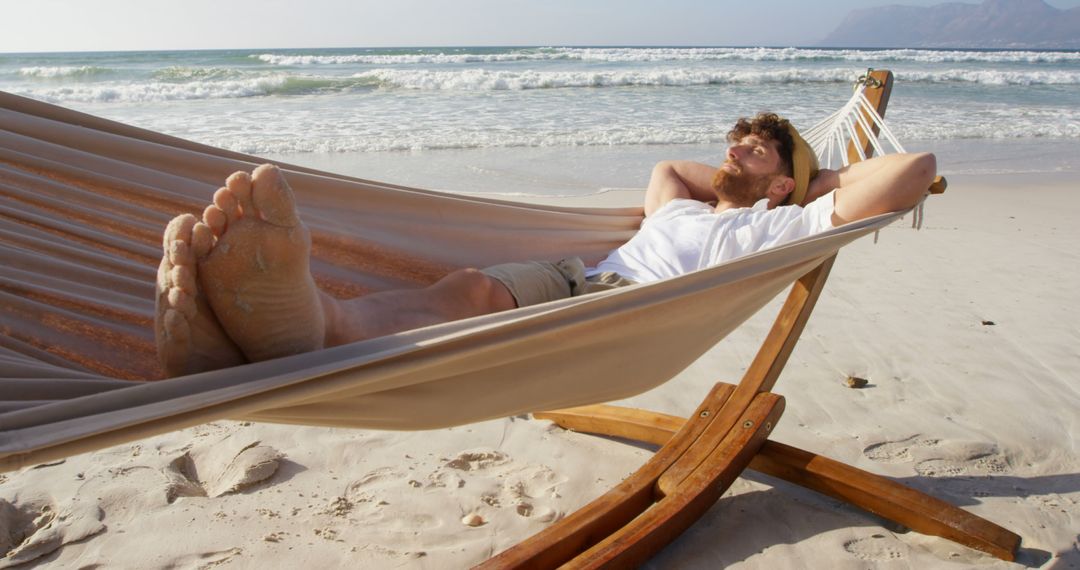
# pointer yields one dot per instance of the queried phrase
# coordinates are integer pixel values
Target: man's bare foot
(256, 275)
(189, 337)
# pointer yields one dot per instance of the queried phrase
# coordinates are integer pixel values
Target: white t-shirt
(687, 235)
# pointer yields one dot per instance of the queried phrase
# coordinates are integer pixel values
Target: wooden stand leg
(883, 497)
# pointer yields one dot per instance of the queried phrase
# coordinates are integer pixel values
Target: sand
(966, 331)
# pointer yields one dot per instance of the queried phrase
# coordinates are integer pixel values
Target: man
(236, 286)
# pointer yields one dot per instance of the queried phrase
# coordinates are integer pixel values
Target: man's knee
(484, 294)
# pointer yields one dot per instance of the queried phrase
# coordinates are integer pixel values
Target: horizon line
(543, 46)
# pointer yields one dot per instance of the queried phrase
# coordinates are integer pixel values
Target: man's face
(749, 168)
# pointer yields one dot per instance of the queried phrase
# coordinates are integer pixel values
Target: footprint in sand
(487, 485)
(529, 490)
(964, 459)
(876, 548)
(935, 458)
(478, 460)
(899, 451)
(35, 528)
(528, 510)
(365, 499)
(226, 466)
(440, 479)
(534, 482)
(367, 488)
(524, 488)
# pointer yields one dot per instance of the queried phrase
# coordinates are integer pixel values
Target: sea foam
(486, 79)
(191, 84)
(645, 55)
(64, 71)
(187, 83)
(180, 90)
(493, 80)
(374, 136)
(400, 59)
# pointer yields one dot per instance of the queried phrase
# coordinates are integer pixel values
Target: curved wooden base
(883, 497)
(635, 519)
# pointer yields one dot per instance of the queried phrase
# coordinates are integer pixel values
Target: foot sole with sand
(256, 274)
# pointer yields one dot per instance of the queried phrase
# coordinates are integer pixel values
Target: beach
(965, 329)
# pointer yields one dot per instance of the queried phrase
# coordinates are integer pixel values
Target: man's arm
(882, 184)
(679, 179)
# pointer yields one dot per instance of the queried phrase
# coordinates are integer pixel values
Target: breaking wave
(195, 83)
(175, 90)
(638, 55)
(485, 79)
(64, 71)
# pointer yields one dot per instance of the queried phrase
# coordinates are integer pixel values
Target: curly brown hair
(770, 127)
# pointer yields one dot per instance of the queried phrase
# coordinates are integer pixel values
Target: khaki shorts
(535, 282)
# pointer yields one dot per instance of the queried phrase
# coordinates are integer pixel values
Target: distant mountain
(992, 24)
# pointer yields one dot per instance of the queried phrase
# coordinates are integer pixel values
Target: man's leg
(256, 277)
(460, 295)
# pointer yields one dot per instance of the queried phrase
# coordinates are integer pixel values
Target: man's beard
(741, 188)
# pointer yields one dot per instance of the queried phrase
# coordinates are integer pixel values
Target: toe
(239, 184)
(164, 277)
(225, 200)
(183, 278)
(176, 335)
(272, 196)
(178, 230)
(215, 219)
(180, 253)
(181, 303)
(202, 239)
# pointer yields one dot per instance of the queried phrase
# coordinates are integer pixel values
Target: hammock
(86, 199)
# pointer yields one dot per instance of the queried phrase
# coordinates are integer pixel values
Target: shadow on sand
(739, 527)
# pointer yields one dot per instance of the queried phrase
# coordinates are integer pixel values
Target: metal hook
(868, 80)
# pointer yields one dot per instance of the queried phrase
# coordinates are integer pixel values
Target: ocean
(559, 120)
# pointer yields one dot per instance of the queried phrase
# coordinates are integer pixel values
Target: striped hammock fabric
(85, 201)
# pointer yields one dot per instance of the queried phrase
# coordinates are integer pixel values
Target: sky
(114, 25)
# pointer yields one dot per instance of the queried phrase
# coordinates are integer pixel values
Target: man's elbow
(925, 165)
(921, 173)
(664, 167)
(659, 180)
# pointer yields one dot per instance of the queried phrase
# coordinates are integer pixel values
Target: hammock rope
(834, 132)
(830, 138)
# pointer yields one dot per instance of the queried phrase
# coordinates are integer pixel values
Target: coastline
(981, 415)
(566, 175)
